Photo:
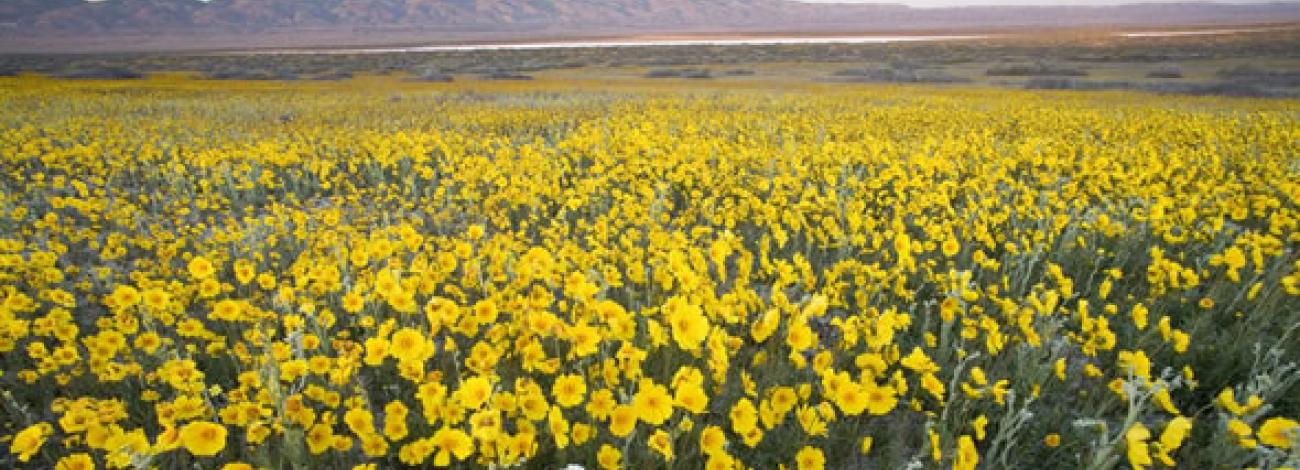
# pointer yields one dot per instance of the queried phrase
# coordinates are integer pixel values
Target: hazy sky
(949, 3)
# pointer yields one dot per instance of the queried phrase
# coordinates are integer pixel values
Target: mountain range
(25, 21)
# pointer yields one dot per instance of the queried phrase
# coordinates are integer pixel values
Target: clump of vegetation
(1166, 71)
(431, 76)
(897, 73)
(332, 76)
(100, 73)
(251, 74)
(1261, 76)
(506, 75)
(1035, 69)
(1235, 88)
(680, 73)
(441, 77)
(663, 73)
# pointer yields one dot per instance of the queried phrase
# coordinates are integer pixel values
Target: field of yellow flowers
(373, 274)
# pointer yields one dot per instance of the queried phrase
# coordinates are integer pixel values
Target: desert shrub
(250, 74)
(1261, 76)
(1036, 69)
(1166, 71)
(332, 76)
(1235, 88)
(1214, 88)
(680, 73)
(903, 74)
(504, 75)
(1056, 83)
(100, 73)
(697, 73)
(431, 76)
(663, 73)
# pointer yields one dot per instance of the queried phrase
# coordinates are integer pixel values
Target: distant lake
(717, 41)
(705, 42)
(743, 41)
